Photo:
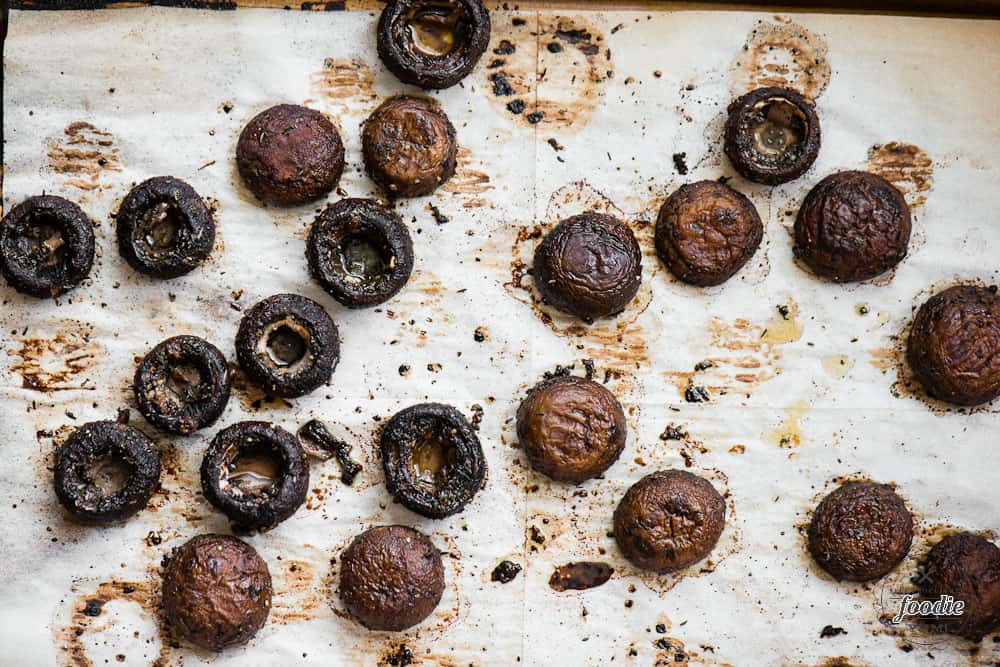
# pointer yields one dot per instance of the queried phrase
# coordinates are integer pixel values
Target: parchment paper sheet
(795, 400)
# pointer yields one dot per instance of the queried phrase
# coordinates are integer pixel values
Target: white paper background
(929, 82)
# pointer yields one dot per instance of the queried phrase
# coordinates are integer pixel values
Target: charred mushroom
(967, 568)
(861, 531)
(432, 43)
(954, 345)
(46, 246)
(589, 266)
(216, 591)
(432, 459)
(255, 473)
(164, 228)
(391, 578)
(706, 232)
(288, 345)
(182, 384)
(106, 472)
(772, 135)
(571, 428)
(852, 226)
(290, 155)
(409, 146)
(360, 252)
(669, 520)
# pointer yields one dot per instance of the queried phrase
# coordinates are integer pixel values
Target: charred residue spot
(505, 572)
(82, 153)
(552, 73)
(783, 54)
(580, 576)
(58, 360)
(906, 166)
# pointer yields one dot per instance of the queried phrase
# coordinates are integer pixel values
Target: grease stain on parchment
(618, 342)
(549, 71)
(81, 154)
(60, 360)
(342, 85)
(469, 182)
(298, 593)
(743, 355)
(783, 54)
(91, 621)
(906, 166)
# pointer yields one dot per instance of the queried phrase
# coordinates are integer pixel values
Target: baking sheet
(804, 382)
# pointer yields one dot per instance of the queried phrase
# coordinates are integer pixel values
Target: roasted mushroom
(46, 246)
(216, 591)
(706, 232)
(571, 428)
(967, 568)
(954, 345)
(772, 135)
(391, 578)
(432, 459)
(106, 472)
(409, 146)
(589, 266)
(256, 473)
(669, 520)
(290, 155)
(164, 228)
(288, 345)
(432, 43)
(861, 531)
(182, 384)
(360, 252)
(852, 226)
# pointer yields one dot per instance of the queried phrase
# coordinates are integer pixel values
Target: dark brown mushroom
(860, 531)
(256, 473)
(669, 520)
(164, 228)
(216, 591)
(289, 155)
(589, 266)
(852, 226)
(432, 43)
(706, 232)
(391, 578)
(182, 384)
(360, 252)
(409, 146)
(772, 135)
(46, 246)
(967, 568)
(571, 428)
(288, 344)
(432, 459)
(106, 472)
(954, 345)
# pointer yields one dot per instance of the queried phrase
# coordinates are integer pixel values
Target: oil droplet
(788, 434)
(784, 326)
(838, 365)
